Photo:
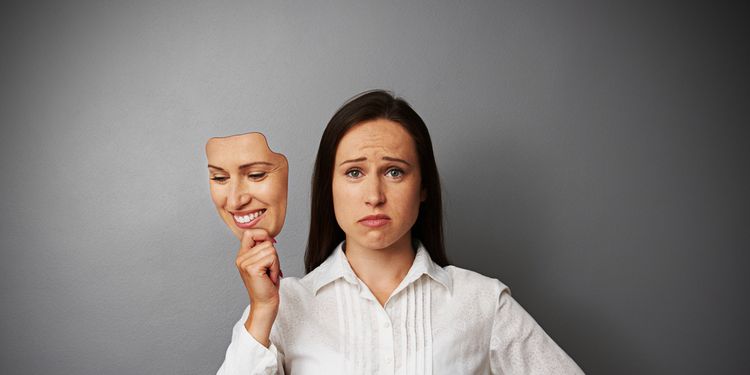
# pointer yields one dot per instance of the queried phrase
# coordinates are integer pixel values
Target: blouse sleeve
(245, 355)
(520, 346)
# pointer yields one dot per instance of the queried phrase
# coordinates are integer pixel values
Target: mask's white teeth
(248, 218)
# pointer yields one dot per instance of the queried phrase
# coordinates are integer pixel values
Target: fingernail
(281, 273)
(273, 240)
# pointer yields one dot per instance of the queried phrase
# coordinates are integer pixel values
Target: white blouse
(437, 321)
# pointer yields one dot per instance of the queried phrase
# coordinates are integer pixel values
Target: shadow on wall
(497, 224)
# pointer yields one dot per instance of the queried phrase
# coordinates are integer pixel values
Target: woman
(379, 295)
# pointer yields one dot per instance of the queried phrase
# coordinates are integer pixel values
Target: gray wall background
(593, 158)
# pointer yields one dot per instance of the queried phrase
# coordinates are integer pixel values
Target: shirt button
(387, 324)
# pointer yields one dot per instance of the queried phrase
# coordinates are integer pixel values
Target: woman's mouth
(249, 219)
(374, 221)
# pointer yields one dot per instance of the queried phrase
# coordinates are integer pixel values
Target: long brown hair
(325, 232)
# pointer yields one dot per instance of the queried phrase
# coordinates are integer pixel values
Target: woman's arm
(252, 350)
(247, 356)
(520, 346)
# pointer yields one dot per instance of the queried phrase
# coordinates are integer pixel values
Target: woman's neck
(382, 270)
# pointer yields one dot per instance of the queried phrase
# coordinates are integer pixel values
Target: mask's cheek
(276, 190)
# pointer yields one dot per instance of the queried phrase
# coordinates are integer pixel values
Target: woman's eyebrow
(353, 160)
(388, 158)
(396, 160)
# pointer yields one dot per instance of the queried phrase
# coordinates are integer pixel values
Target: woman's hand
(259, 268)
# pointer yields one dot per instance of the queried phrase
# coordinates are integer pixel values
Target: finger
(252, 255)
(251, 238)
(262, 266)
(272, 268)
(275, 269)
(246, 243)
(260, 235)
(263, 251)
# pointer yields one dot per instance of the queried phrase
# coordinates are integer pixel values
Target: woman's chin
(373, 242)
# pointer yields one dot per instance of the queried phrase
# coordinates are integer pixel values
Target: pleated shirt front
(437, 321)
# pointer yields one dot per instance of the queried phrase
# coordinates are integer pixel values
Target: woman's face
(377, 184)
(248, 182)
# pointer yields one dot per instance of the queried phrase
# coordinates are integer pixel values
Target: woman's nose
(239, 196)
(374, 195)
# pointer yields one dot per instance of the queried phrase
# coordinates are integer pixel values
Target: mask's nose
(239, 196)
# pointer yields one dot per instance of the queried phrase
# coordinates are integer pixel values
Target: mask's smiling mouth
(249, 219)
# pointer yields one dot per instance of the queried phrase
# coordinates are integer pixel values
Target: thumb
(260, 235)
(247, 240)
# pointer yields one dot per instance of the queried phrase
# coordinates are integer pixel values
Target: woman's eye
(394, 172)
(354, 173)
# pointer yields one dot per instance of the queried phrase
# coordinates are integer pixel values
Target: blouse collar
(337, 267)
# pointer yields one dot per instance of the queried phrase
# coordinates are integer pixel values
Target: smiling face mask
(248, 182)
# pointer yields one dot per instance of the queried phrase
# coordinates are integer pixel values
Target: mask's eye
(353, 173)
(257, 175)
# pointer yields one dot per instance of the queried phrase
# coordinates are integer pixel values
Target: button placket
(386, 338)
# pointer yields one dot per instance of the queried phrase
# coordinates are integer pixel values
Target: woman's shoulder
(292, 287)
(475, 284)
(470, 288)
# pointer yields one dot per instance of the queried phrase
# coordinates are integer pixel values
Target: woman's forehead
(375, 138)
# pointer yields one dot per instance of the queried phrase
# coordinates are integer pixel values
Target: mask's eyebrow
(388, 158)
(256, 163)
(245, 166)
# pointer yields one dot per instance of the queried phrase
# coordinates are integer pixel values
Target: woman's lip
(374, 221)
(375, 217)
